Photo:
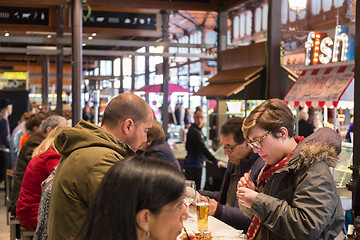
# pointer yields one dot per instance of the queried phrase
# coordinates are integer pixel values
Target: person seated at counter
(296, 196)
(224, 204)
(148, 204)
(156, 145)
(196, 150)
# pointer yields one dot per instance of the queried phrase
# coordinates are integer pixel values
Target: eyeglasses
(257, 143)
(230, 149)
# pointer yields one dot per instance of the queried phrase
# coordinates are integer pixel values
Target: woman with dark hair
(156, 145)
(138, 198)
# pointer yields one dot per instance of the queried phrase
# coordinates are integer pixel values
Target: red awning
(157, 89)
(322, 86)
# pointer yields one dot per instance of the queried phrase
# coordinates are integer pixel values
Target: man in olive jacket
(88, 151)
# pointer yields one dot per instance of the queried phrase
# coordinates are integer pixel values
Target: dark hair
(126, 106)
(156, 132)
(270, 115)
(131, 185)
(233, 126)
(198, 110)
(34, 120)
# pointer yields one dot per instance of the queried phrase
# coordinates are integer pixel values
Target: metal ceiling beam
(67, 51)
(100, 42)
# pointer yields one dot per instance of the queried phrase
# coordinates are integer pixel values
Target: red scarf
(267, 172)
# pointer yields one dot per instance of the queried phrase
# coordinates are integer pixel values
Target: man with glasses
(224, 204)
(196, 150)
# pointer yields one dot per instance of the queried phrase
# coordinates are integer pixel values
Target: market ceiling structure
(185, 17)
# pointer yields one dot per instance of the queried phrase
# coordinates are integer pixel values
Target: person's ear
(143, 220)
(284, 133)
(128, 126)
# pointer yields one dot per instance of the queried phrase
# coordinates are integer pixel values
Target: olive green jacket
(87, 153)
(301, 201)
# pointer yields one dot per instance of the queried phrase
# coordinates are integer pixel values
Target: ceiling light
(90, 38)
(49, 36)
(93, 34)
(7, 34)
(84, 44)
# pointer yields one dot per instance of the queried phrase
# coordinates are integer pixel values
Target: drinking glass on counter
(190, 194)
(202, 211)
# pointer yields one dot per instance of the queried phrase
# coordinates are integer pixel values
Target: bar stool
(8, 180)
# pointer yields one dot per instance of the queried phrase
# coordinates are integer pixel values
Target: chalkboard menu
(24, 15)
(125, 20)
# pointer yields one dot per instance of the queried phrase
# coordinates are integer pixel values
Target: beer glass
(202, 211)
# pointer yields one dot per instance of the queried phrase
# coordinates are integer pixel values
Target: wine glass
(190, 194)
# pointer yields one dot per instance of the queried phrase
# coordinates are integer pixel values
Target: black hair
(131, 185)
(233, 126)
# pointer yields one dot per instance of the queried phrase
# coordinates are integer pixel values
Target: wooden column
(166, 68)
(76, 60)
(45, 75)
(147, 73)
(133, 72)
(273, 46)
(121, 90)
(60, 10)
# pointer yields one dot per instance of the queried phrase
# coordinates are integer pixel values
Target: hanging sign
(24, 15)
(121, 20)
(13, 80)
(321, 49)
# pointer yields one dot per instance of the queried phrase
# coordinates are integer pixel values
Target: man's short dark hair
(233, 126)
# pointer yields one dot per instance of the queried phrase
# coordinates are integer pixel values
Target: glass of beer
(202, 210)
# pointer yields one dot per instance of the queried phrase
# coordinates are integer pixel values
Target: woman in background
(157, 147)
(148, 204)
(45, 158)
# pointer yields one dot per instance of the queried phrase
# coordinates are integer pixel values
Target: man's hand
(246, 196)
(212, 206)
(221, 164)
(246, 182)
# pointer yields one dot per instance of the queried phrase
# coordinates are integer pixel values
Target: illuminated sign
(13, 80)
(322, 49)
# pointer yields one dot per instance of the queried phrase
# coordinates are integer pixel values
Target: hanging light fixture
(297, 5)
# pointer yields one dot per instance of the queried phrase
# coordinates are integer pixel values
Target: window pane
(236, 27)
(117, 67)
(284, 11)
(315, 6)
(292, 16)
(327, 5)
(248, 23)
(242, 25)
(264, 17)
(258, 20)
(338, 3)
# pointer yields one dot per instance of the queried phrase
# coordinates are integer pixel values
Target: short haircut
(270, 115)
(156, 132)
(146, 183)
(52, 122)
(233, 126)
(126, 106)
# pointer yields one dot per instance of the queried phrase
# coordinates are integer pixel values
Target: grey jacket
(301, 201)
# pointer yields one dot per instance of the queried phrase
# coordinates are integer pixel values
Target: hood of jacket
(323, 145)
(85, 135)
